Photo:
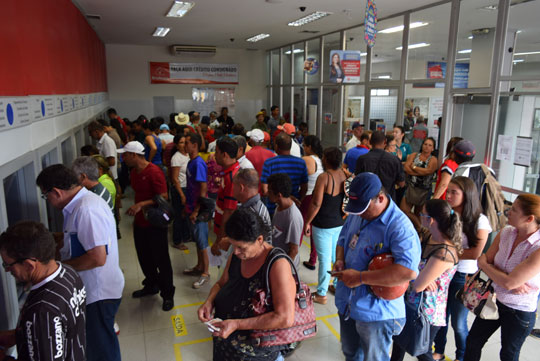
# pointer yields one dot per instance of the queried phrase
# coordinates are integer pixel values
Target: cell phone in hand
(210, 325)
(333, 273)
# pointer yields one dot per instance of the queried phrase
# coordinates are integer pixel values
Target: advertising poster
(437, 70)
(419, 107)
(370, 32)
(344, 66)
(328, 118)
(311, 66)
(193, 73)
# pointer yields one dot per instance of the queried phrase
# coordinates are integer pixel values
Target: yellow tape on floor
(188, 305)
(177, 346)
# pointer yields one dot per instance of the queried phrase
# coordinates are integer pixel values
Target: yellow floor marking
(179, 325)
(313, 284)
(332, 329)
(188, 305)
(177, 346)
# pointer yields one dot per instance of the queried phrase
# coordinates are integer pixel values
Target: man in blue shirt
(375, 225)
(354, 153)
(294, 167)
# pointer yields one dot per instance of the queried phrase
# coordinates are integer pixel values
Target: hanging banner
(370, 32)
(193, 73)
(345, 66)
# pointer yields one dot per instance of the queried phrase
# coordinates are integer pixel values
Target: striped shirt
(293, 166)
(101, 191)
(52, 321)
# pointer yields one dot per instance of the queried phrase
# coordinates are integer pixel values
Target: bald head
(245, 184)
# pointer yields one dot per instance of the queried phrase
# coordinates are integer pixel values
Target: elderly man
(375, 225)
(91, 248)
(87, 171)
(105, 145)
(52, 320)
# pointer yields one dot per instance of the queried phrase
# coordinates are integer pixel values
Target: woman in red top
(447, 169)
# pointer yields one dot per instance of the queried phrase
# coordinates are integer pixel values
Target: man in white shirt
(164, 133)
(357, 130)
(105, 145)
(290, 129)
(241, 155)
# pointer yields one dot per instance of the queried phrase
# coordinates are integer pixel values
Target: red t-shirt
(209, 136)
(147, 184)
(257, 155)
(225, 198)
(449, 166)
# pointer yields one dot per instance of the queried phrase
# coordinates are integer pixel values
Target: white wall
(131, 93)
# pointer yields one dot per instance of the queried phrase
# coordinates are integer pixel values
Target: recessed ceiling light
(396, 29)
(528, 53)
(295, 51)
(518, 60)
(309, 18)
(463, 59)
(363, 54)
(256, 38)
(470, 37)
(179, 9)
(465, 51)
(384, 77)
(489, 7)
(414, 46)
(161, 32)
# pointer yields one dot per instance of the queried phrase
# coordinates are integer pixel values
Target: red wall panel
(48, 47)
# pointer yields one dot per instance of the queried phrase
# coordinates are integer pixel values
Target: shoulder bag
(414, 338)
(479, 297)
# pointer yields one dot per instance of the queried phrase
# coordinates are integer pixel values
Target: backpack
(493, 200)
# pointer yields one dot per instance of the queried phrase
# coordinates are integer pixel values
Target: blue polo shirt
(391, 232)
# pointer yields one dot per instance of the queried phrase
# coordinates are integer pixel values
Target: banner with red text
(193, 73)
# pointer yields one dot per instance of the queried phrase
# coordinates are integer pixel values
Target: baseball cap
(356, 125)
(164, 127)
(266, 136)
(132, 147)
(259, 113)
(364, 187)
(287, 128)
(256, 135)
(465, 148)
(181, 119)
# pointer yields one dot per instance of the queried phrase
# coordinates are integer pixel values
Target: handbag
(414, 338)
(479, 297)
(304, 326)
(161, 214)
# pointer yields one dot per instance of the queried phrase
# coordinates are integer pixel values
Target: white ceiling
(215, 22)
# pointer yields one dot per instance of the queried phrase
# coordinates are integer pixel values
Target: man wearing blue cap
(375, 225)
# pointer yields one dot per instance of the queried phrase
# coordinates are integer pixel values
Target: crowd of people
(263, 190)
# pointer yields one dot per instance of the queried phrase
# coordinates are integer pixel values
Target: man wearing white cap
(148, 181)
(375, 226)
(258, 154)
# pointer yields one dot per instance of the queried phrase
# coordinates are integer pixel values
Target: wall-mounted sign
(193, 73)
(370, 32)
(311, 66)
(437, 70)
(345, 66)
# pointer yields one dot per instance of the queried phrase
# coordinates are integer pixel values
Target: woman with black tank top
(325, 216)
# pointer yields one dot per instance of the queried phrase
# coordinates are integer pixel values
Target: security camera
(302, 8)
(510, 50)
(231, 39)
(351, 38)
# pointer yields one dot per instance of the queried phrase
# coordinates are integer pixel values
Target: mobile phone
(210, 325)
(332, 272)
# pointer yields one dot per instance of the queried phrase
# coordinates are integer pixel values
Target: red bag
(304, 326)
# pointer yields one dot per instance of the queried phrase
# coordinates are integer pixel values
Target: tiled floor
(149, 334)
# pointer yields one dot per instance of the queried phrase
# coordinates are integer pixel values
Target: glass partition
(331, 42)
(355, 41)
(286, 58)
(312, 109)
(383, 108)
(386, 54)
(275, 68)
(299, 58)
(286, 106)
(524, 28)
(330, 108)
(353, 108)
(298, 105)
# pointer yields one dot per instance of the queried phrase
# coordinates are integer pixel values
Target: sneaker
(308, 265)
(194, 271)
(535, 333)
(116, 329)
(319, 299)
(202, 280)
(168, 304)
(145, 291)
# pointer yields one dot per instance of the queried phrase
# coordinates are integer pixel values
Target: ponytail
(449, 221)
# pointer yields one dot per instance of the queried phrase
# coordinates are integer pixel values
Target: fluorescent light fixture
(414, 46)
(363, 54)
(463, 59)
(470, 37)
(309, 18)
(179, 9)
(384, 77)
(519, 31)
(518, 60)
(465, 51)
(399, 28)
(295, 51)
(161, 32)
(528, 53)
(256, 38)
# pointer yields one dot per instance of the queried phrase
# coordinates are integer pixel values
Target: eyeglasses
(44, 195)
(9, 265)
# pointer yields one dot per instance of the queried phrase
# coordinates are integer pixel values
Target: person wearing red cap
(290, 129)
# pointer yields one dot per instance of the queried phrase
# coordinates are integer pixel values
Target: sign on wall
(437, 70)
(370, 32)
(344, 66)
(193, 73)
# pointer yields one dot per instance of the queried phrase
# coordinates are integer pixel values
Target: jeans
(153, 254)
(515, 327)
(101, 340)
(199, 234)
(398, 353)
(368, 341)
(180, 223)
(459, 315)
(325, 240)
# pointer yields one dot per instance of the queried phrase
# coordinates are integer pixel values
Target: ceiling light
(396, 29)
(518, 60)
(489, 7)
(470, 37)
(528, 53)
(179, 9)
(465, 51)
(311, 17)
(295, 51)
(256, 38)
(519, 31)
(384, 77)
(161, 32)
(463, 59)
(414, 46)
(363, 54)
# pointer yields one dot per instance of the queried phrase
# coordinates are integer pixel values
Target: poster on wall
(437, 70)
(311, 66)
(345, 66)
(206, 100)
(523, 151)
(193, 73)
(327, 118)
(370, 31)
(505, 144)
(419, 107)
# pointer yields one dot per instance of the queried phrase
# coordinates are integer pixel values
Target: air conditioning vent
(192, 50)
